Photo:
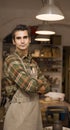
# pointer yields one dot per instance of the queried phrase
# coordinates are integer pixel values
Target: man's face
(21, 40)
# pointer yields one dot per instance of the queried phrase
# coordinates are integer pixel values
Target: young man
(24, 83)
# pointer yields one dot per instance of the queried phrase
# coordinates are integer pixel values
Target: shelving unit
(49, 58)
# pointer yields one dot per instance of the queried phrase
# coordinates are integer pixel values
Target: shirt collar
(28, 56)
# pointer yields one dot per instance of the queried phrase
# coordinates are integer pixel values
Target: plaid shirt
(23, 72)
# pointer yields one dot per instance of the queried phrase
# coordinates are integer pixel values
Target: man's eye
(25, 37)
(18, 37)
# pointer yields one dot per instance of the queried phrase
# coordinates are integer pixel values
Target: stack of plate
(54, 96)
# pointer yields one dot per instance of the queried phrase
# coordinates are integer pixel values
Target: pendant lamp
(42, 38)
(45, 29)
(50, 12)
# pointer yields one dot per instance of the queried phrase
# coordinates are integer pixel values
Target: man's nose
(22, 39)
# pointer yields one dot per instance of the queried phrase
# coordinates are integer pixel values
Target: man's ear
(13, 42)
(30, 39)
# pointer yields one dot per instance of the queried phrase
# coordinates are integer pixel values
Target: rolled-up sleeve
(44, 80)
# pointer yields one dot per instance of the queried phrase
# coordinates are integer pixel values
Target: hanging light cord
(43, 2)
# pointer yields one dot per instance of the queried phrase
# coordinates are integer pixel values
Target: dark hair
(20, 27)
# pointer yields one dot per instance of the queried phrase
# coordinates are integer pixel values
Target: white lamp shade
(42, 38)
(45, 29)
(50, 12)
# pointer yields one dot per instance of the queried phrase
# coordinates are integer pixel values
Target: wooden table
(44, 104)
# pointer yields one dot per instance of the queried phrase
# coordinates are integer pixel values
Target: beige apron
(23, 113)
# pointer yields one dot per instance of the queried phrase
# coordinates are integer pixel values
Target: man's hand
(42, 90)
